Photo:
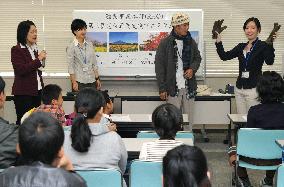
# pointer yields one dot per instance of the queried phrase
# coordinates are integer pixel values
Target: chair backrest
(153, 134)
(101, 177)
(259, 143)
(280, 176)
(144, 173)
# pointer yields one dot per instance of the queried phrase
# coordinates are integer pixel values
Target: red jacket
(25, 72)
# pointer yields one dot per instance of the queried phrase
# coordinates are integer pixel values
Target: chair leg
(236, 178)
(238, 183)
(233, 179)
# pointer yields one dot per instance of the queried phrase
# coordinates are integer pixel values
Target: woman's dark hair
(78, 24)
(50, 92)
(167, 120)
(87, 104)
(23, 30)
(106, 96)
(40, 138)
(270, 87)
(255, 20)
(185, 166)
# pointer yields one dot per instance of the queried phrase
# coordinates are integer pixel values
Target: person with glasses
(176, 62)
(27, 62)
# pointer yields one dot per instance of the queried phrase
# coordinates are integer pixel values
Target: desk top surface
(156, 95)
(238, 118)
(114, 93)
(138, 118)
(137, 95)
(135, 144)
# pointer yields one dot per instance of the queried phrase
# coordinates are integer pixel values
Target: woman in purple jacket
(26, 61)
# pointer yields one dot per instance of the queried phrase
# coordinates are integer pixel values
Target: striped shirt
(156, 150)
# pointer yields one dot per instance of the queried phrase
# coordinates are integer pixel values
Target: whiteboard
(125, 41)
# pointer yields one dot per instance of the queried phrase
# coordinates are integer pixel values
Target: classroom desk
(133, 145)
(208, 110)
(212, 109)
(149, 96)
(138, 118)
(124, 98)
(238, 120)
(129, 125)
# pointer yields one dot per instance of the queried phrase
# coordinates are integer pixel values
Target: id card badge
(245, 74)
(85, 69)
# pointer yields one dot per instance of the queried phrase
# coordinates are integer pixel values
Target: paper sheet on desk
(121, 118)
(203, 90)
(219, 94)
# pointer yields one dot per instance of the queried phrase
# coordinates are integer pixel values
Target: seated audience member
(69, 118)
(8, 135)
(185, 166)
(40, 144)
(107, 110)
(90, 144)
(106, 122)
(266, 115)
(167, 120)
(52, 100)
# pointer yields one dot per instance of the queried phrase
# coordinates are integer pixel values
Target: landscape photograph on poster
(149, 41)
(123, 41)
(99, 40)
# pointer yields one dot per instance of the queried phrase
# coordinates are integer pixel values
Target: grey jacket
(165, 65)
(8, 141)
(107, 150)
(40, 175)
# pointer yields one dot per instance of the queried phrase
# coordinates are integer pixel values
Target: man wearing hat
(176, 62)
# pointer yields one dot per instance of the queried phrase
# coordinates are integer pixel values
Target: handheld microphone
(43, 61)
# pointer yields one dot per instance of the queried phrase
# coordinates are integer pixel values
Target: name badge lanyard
(83, 56)
(248, 55)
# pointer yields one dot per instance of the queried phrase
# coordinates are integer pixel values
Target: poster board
(125, 41)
